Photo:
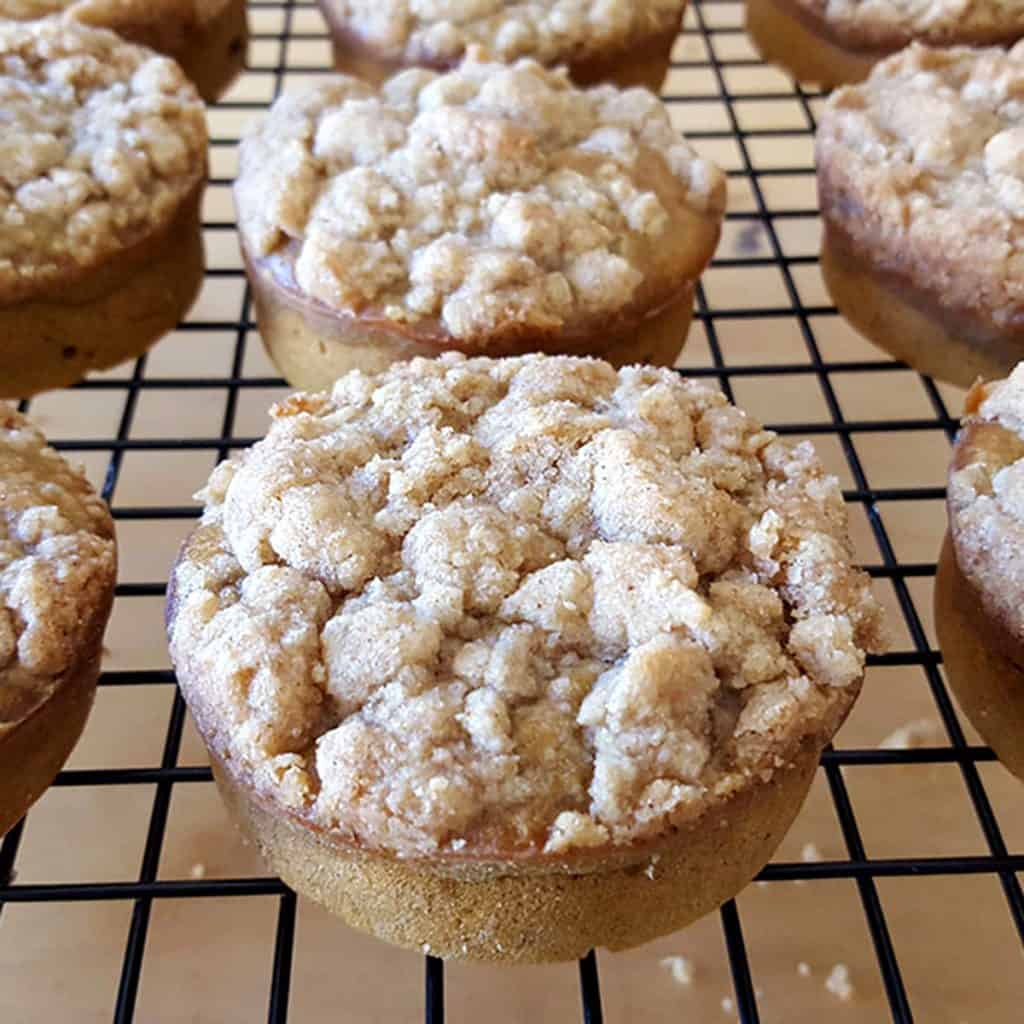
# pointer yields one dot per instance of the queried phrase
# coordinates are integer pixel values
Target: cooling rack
(764, 330)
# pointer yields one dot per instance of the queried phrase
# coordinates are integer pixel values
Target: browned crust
(276, 271)
(635, 61)
(890, 310)
(532, 913)
(788, 35)
(290, 320)
(859, 232)
(995, 613)
(107, 314)
(880, 39)
(33, 749)
(988, 684)
(311, 350)
(484, 856)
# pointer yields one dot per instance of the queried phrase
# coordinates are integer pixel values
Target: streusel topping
(516, 604)
(894, 23)
(498, 200)
(550, 31)
(101, 143)
(28, 10)
(922, 166)
(57, 565)
(986, 497)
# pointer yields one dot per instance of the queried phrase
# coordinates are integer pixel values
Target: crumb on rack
(839, 984)
(681, 968)
(197, 871)
(810, 854)
(728, 1006)
(921, 732)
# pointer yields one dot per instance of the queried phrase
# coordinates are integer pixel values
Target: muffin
(921, 183)
(628, 42)
(494, 210)
(979, 589)
(836, 42)
(207, 38)
(102, 166)
(508, 659)
(57, 572)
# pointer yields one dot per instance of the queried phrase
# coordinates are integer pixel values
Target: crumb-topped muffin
(628, 42)
(512, 658)
(207, 38)
(980, 586)
(57, 572)
(836, 42)
(921, 182)
(102, 166)
(491, 209)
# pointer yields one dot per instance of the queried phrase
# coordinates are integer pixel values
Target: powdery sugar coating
(497, 200)
(101, 143)
(986, 498)
(489, 606)
(550, 31)
(57, 565)
(890, 24)
(923, 167)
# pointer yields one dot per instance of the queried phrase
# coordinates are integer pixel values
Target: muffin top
(490, 202)
(891, 24)
(516, 607)
(101, 142)
(551, 31)
(57, 568)
(986, 499)
(922, 166)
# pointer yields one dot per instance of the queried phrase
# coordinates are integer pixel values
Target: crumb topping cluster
(550, 31)
(501, 201)
(526, 604)
(890, 24)
(57, 565)
(101, 142)
(986, 498)
(922, 166)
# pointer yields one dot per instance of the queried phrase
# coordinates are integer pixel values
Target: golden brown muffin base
(527, 912)
(211, 50)
(783, 37)
(954, 348)
(645, 65)
(313, 346)
(988, 685)
(34, 750)
(106, 315)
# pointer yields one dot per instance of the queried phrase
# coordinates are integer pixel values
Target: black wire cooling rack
(714, 77)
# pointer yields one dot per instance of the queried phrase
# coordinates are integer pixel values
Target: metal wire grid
(714, 25)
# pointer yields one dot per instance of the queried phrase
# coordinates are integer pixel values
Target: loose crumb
(803, 969)
(839, 984)
(921, 732)
(728, 1006)
(681, 968)
(810, 854)
(197, 871)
